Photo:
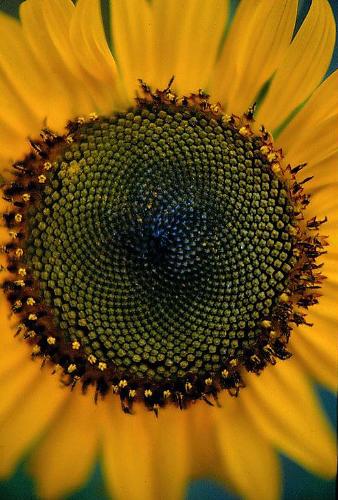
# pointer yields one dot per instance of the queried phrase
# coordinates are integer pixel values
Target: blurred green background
(298, 484)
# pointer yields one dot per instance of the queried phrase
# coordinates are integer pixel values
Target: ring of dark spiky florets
(180, 234)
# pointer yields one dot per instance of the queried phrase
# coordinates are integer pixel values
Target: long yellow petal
(133, 41)
(46, 28)
(127, 454)
(16, 382)
(283, 405)
(317, 350)
(187, 38)
(256, 44)
(93, 54)
(247, 456)
(19, 96)
(63, 460)
(303, 66)
(165, 39)
(30, 417)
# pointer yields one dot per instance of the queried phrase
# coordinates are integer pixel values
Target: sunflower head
(161, 251)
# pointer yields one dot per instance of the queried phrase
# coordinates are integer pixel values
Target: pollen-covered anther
(92, 359)
(42, 179)
(36, 349)
(122, 384)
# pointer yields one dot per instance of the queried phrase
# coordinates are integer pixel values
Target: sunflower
(163, 238)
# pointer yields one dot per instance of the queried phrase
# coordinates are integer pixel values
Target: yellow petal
(283, 405)
(303, 66)
(91, 49)
(18, 95)
(29, 418)
(127, 454)
(316, 349)
(46, 28)
(170, 451)
(303, 129)
(248, 458)
(187, 39)
(165, 39)
(258, 39)
(132, 32)
(204, 449)
(17, 380)
(63, 460)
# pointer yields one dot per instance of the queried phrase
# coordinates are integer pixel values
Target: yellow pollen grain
(93, 116)
(132, 393)
(31, 334)
(76, 345)
(123, 383)
(102, 366)
(166, 394)
(17, 303)
(26, 197)
(51, 340)
(244, 131)
(18, 217)
(225, 373)
(36, 349)
(19, 252)
(226, 118)
(148, 393)
(81, 120)
(272, 156)
(234, 362)
(13, 234)
(188, 386)
(22, 271)
(266, 323)
(276, 168)
(20, 283)
(92, 359)
(42, 179)
(47, 165)
(30, 301)
(71, 368)
(115, 389)
(32, 317)
(208, 381)
(265, 150)
(284, 297)
(214, 108)
(69, 139)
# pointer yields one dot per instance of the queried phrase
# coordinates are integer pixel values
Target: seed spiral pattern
(161, 242)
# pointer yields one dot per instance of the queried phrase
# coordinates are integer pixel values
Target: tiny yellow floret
(71, 368)
(42, 179)
(30, 301)
(51, 340)
(76, 345)
(102, 366)
(266, 323)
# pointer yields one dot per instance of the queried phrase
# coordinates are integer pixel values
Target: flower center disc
(158, 250)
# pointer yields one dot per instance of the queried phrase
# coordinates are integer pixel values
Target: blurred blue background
(298, 484)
